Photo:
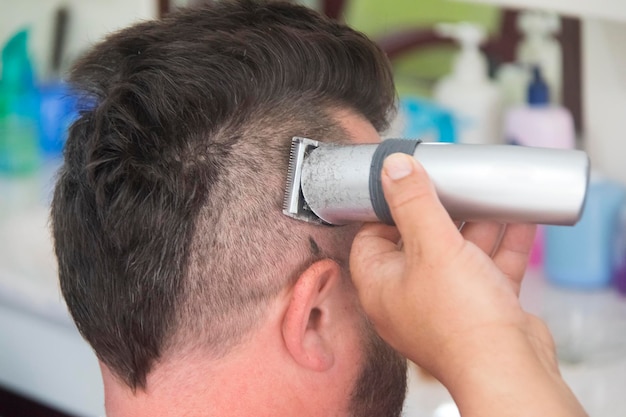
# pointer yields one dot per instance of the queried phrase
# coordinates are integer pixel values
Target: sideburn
(381, 387)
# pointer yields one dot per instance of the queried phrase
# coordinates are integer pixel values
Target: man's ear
(313, 310)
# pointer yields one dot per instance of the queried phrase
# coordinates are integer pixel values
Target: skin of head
(198, 296)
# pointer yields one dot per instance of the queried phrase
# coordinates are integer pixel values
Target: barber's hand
(448, 299)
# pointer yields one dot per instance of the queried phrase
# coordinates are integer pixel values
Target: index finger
(512, 255)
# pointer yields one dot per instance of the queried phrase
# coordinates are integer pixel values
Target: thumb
(424, 224)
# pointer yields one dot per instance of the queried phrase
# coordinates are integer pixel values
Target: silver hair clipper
(339, 184)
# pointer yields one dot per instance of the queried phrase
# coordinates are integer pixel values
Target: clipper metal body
(339, 184)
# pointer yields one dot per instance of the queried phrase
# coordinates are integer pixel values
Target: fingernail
(398, 166)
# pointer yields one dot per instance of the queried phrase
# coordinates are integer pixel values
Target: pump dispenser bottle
(539, 47)
(467, 91)
(539, 123)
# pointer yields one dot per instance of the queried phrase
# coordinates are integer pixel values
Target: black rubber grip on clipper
(386, 148)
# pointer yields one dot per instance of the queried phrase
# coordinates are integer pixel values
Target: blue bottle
(583, 256)
(58, 111)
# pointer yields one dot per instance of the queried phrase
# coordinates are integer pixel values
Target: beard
(380, 388)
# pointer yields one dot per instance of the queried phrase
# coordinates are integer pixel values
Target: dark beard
(381, 386)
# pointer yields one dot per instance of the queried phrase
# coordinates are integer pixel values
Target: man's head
(167, 213)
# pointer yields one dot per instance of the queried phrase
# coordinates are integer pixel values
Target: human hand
(448, 299)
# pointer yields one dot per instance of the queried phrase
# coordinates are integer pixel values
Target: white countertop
(42, 354)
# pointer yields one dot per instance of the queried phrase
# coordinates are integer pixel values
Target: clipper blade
(294, 204)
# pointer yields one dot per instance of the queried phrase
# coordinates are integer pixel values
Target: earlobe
(307, 324)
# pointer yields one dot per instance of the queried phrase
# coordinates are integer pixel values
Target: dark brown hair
(167, 212)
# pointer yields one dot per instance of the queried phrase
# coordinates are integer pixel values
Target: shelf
(603, 9)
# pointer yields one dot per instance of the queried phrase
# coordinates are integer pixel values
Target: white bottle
(512, 80)
(539, 123)
(539, 47)
(467, 92)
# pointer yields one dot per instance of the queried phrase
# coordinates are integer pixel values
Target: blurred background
(548, 73)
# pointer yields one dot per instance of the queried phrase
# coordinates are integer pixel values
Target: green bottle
(19, 110)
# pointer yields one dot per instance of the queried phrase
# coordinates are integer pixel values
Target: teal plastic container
(584, 256)
(427, 121)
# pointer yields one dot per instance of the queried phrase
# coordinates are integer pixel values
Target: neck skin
(258, 378)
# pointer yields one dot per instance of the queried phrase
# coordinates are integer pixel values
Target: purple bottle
(619, 277)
